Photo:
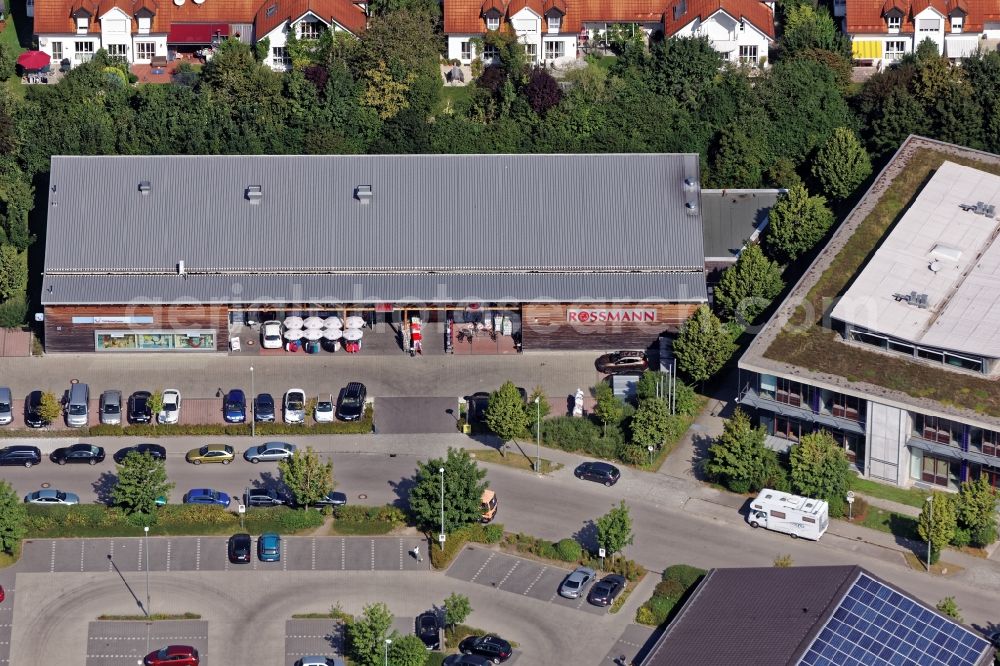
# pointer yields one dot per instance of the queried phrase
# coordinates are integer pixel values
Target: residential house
(138, 31)
(555, 32)
(883, 31)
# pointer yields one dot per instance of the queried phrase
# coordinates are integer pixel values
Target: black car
(263, 408)
(466, 660)
(429, 630)
(622, 361)
(33, 410)
(601, 472)
(154, 450)
(262, 497)
(78, 453)
(351, 402)
(240, 546)
(333, 499)
(25, 456)
(492, 647)
(605, 591)
(139, 410)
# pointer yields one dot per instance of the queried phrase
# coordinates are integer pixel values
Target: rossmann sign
(615, 316)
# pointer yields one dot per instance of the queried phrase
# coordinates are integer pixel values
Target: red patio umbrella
(33, 59)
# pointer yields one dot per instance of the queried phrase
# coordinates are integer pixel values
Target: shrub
(576, 434)
(961, 538)
(670, 588)
(983, 536)
(13, 312)
(645, 616)
(569, 550)
(492, 533)
(357, 513)
(685, 574)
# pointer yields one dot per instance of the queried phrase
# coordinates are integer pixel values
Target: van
(78, 406)
(489, 505)
(6, 406)
(783, 512)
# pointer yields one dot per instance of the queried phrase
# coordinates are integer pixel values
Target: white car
(270, 334)
(319, 661)
(323, 413)
(295, 406)
(171, 411)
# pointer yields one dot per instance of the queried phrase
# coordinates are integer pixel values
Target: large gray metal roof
(732, 217)
(427, 213)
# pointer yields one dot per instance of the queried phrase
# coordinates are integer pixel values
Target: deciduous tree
(457, 609)
(463, 491)
(50, 409)
(542, 92)
(820, 469)
(307, 477)
(703, 345)
(505, 412)
(937, 522)
(614, 529)
(608, 408)
(407, 650)
(366, 635)
(13, 272)
(976, 510)
(841, 164)
(651, 423)
(797, 222)
(740, 459)
(748, 287)
(141, 479)
(13, 518)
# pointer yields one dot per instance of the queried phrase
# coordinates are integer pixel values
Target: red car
(1, 594)
(173, 655)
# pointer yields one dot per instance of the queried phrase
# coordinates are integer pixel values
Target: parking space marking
(373, 554)
(400, 554)
(537, 578)
(314, 553)
(343, 553)
(83, 545)
(473, 579)
(284, 558)
(138, 551)
(52, 566)
(168, 554)
(197, 555)
(504, 579)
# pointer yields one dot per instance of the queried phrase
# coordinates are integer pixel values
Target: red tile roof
(754, 12)
(342, 12)
(514, 6)
(868, 16)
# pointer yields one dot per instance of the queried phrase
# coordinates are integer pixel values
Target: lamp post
(253, 403)
(650, 449)
(388, 642)
(441, 471)
(930, 532)
(538, 433)
(145, 545)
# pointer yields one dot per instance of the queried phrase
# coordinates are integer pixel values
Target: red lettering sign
(610, 315)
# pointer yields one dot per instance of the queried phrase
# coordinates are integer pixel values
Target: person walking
(416, 554)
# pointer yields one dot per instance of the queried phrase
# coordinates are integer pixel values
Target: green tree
(463, 492)
(7, 60)
(541, 410)
(740, 459)
(937, 522)
(949, 607)
(820, 469)
(13, 518)
(797, 222)
(407, 650)
(306, 476)
(50, 409)
(614, 529)
(806, 27)
(841, 164)
(748, 286)
(505, 413)
(651, 423)
(366, 635)
(743, 153)
(457, 609)
(141, 479)
(608, 408)
(384, 93)
(976, 510)
(703, 345)
(156, 405)
(13, 272)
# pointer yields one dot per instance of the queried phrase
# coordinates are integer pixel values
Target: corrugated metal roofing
(415, 288)
(731, 217)
(428, 212)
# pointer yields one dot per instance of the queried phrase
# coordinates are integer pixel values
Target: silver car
(6, 406)
(576, 583)
(295, 406)
(269, 451)
(51, 497)
(111, 407)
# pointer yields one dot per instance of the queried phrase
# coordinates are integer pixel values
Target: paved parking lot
(124, 643)
(210, 554)
(517, 576)
(6, 617)
(630, 644)
(410, 416)
(312, 637)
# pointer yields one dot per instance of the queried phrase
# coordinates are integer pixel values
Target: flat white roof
(950, 254)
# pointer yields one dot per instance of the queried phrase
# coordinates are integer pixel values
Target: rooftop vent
(691, 207)
(921, 301)
(145, 187)
(254, 194)
(980, 208)
(180, 267)
(363, 193)
(946, 253)
(690, 184)
(935, 266)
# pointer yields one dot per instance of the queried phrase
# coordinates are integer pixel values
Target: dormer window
(894, 22)
(144, 22)
(956, 23)
(492, 22)
(555, 22)
(82, 23)
(310, 29)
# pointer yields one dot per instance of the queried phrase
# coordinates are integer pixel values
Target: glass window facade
(140, 341)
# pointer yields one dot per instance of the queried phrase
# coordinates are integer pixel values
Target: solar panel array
(876, 626)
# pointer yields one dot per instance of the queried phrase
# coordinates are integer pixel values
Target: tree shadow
(586, 536)
(268, 481)
(337, 638)
(988, 630)
(700, 445)
(105, 483)
(402, 490)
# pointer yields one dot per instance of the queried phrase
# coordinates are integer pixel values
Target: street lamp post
(538, 432)
(145, 545)
(930, 500)
(253, 403)
(388, 642)
(441, 471)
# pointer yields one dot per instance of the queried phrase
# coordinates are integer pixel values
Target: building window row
(975, 364)
(793, 430)
(819, 401)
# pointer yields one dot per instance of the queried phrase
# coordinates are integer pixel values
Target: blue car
(234, 406)
(269, 547)
(206, 496)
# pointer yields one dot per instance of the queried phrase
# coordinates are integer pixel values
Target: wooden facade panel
(549, 325)
(63, 335)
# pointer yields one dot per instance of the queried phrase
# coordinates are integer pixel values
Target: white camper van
(783, 512)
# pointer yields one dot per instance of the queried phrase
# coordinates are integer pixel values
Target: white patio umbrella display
(333, 322)
(293, 322)
(313, 322)
(353, 334)
(312, 333)
(355, 322)
(333, 334)
(294, 334)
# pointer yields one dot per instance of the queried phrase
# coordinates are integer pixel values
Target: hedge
(476, 533)
(669, 595)
(205, 429)
(575, 434)
(564, 551)
(360, 520)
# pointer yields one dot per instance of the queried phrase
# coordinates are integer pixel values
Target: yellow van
(489, 506)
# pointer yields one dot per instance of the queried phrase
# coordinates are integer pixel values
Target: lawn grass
(16, 22)
(451, 96)
(515, 459)
(435, 659)
(909, 496)
(7, 559)
(665, 450)
(890, 522)
(940, 567)
(155, 617)
(806, 343)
